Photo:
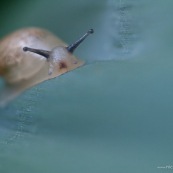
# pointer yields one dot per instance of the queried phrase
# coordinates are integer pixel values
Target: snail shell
(47, 57)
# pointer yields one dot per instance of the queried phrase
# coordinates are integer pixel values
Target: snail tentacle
(41, 52)
(73, 46)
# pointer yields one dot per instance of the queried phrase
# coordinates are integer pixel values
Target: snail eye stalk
(44, 53)
(73, 46)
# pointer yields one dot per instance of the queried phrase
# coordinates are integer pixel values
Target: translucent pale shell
(22, 70)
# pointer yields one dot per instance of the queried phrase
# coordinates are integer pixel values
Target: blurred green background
(113, 115)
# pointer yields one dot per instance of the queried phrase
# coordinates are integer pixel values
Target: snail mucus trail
(49, 55)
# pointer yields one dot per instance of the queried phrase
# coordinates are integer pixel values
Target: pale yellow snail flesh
(46, 57)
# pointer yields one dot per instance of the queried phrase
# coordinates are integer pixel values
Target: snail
(32, 55)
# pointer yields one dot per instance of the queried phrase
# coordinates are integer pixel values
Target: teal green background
(113, 115)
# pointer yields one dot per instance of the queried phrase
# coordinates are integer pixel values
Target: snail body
(32, 55)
